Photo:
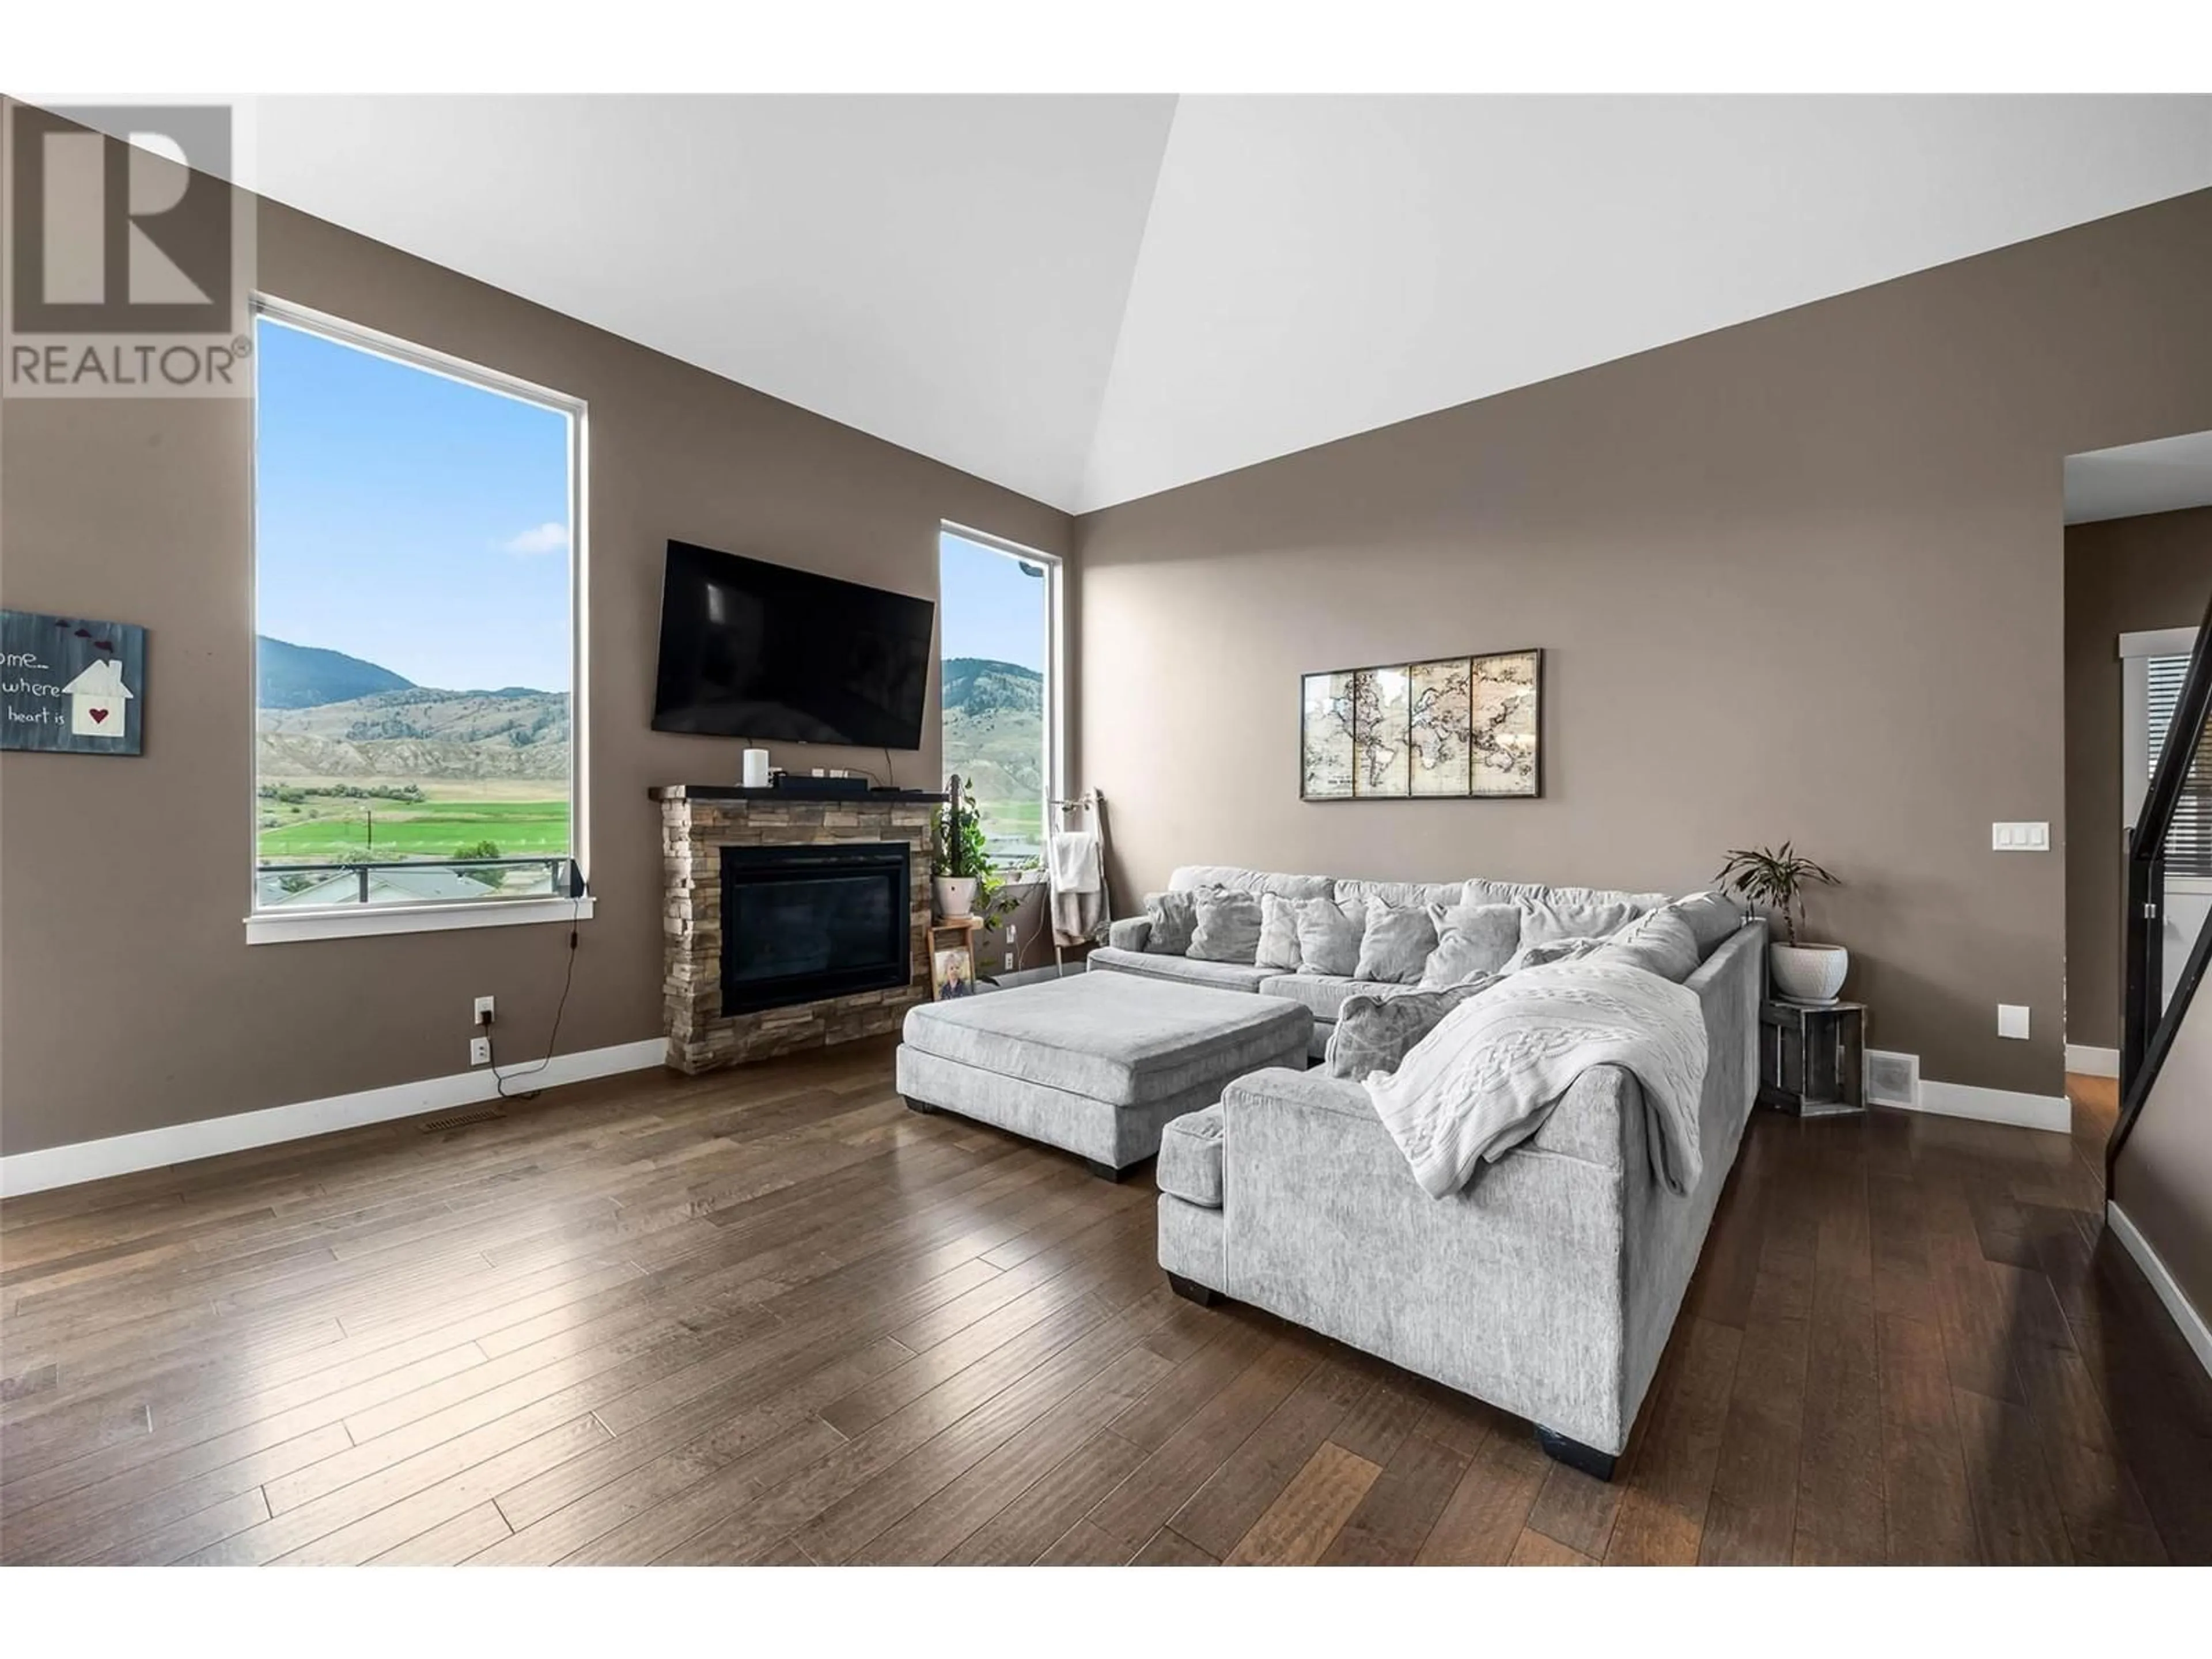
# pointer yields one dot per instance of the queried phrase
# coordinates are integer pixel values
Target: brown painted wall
(1799, 578)
(2123, 576)
(130, 999)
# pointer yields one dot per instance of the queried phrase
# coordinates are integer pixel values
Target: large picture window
(999, 604)
(415, 580)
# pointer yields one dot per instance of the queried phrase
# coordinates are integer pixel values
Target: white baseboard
(93, 1160)
(2093, 1063)
(2193, 1328)
(1996, 1106)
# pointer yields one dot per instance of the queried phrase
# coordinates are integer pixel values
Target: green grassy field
(1007, 823)
(324, 828)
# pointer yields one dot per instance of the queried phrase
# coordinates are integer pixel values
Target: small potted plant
(960, 869)
(1776, 879)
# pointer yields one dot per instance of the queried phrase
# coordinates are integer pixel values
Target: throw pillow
(1228, 927)
(1472, 939)
(1173, 916)
(1660, 943)
(1278, 933)
(1543, 921)
(1330, 935)
(1374, 1034)
(1395, 945)
(1712, 918)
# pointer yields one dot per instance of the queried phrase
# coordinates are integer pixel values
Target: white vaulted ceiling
(1091, 299)
(947, 273)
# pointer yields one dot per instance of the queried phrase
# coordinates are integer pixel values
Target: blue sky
(419, 522)
(989, 608)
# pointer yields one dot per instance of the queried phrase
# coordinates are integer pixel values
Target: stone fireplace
(789, 921)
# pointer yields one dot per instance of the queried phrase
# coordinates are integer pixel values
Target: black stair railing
(2147, 1028)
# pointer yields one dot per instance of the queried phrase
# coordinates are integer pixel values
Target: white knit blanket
(1488, 1076)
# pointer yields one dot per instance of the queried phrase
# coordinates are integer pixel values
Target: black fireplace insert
(803, 924)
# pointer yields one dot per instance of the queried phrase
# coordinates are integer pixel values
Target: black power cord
(1025, 945)
(886, 781)
(498, 1080)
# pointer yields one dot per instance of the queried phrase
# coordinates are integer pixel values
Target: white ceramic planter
(956, 896)
(1808, 973)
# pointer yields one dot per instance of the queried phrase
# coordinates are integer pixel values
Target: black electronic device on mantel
(802, 783)
(761, 651)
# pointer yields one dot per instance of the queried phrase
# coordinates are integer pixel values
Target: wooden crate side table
(952, 957)
(1812, 1058)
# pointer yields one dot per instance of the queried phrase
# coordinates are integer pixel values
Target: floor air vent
(1893, 1079)
(462, 1119)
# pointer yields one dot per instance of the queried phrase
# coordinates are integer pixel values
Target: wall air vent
(1893, 1079)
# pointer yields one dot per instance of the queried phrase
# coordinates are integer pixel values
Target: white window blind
(2189, 842)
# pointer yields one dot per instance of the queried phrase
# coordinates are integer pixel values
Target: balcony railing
(407, 881)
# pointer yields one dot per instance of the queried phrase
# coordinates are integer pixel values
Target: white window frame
(2135, 651)
(1055, 651)
(359, 921)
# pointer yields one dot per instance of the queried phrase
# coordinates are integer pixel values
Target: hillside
(978, 685)
(384, 727)
(994, 728)
(304, 676)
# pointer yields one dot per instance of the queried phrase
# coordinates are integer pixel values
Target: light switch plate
(2012, 1020)
(2020, 838)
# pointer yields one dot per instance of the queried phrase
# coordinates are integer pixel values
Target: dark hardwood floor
(772, 1317)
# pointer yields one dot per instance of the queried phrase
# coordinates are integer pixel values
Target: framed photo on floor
(953, 959)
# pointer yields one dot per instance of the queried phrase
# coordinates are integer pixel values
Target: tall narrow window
(2189, 841)
(997, 607)
(414, 615)
(2153, 665)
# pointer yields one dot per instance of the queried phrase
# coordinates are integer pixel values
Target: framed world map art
(1449, 729)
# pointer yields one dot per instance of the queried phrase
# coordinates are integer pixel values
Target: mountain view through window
(413, 646)
(995, 613)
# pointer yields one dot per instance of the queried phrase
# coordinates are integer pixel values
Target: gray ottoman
(1098, 1063)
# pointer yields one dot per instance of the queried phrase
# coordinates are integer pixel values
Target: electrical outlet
(479, 1051)
(483, 1011)
(2012, 1020)
(1007, 966)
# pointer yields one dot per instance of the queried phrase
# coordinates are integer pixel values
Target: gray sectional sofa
(1547, 1286)
(1325, 994)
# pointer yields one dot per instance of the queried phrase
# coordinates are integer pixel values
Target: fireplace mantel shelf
(797, 791)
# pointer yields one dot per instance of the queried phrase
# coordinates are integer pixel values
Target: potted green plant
(960, 873)
(1776, 879)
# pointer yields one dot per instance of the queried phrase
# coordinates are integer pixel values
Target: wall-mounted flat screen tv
(750, 649)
